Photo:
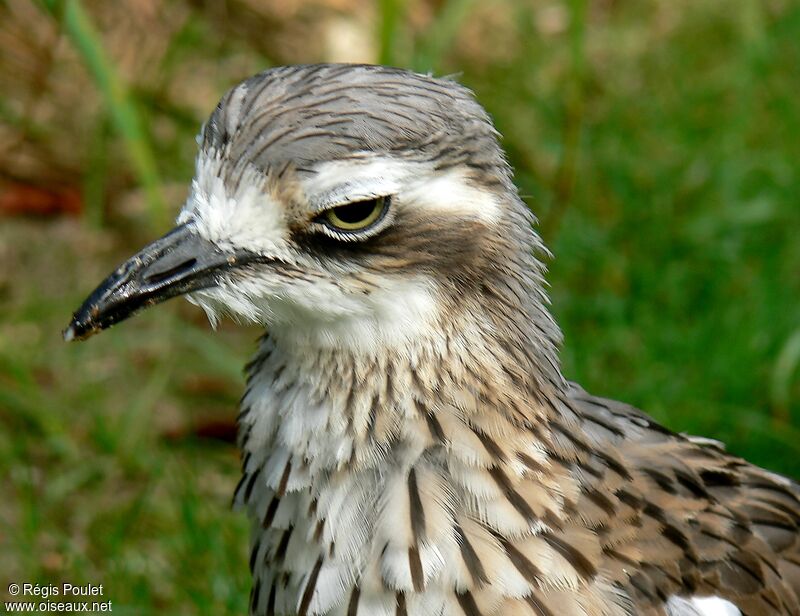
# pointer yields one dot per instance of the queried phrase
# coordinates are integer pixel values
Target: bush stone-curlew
(409, 443)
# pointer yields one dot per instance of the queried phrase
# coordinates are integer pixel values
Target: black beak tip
(69, 333)
(80, 327)
(75, 332)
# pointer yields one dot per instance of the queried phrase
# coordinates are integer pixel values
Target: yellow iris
(355, 216)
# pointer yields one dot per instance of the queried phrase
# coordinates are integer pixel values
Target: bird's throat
(340, 449)
(339, 408)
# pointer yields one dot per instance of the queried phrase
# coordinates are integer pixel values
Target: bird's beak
(178, 263)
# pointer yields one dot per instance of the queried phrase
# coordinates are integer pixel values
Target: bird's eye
(355, 216)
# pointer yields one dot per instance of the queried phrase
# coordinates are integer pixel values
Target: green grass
(100, 489)
(657, 143)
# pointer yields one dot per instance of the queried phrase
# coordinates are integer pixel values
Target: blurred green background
(658, 143)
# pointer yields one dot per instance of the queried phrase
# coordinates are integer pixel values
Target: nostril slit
(157, 277)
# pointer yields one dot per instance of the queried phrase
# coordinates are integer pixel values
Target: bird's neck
(338, 407)
(372, 464)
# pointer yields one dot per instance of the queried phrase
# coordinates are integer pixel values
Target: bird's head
(340, 204)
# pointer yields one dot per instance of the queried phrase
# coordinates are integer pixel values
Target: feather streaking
(410, 446)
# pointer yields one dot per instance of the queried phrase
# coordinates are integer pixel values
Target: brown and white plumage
(409, 443)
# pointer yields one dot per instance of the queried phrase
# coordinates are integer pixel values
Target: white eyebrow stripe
(353, 192)
(416, 184)
(338, 180)
(452, 193)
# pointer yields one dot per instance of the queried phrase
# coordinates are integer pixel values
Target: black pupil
(355, 212)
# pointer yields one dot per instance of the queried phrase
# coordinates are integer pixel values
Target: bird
(409, 443)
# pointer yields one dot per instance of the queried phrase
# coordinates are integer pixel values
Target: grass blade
(125, 117)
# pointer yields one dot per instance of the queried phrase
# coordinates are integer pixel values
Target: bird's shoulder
(690, 516)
